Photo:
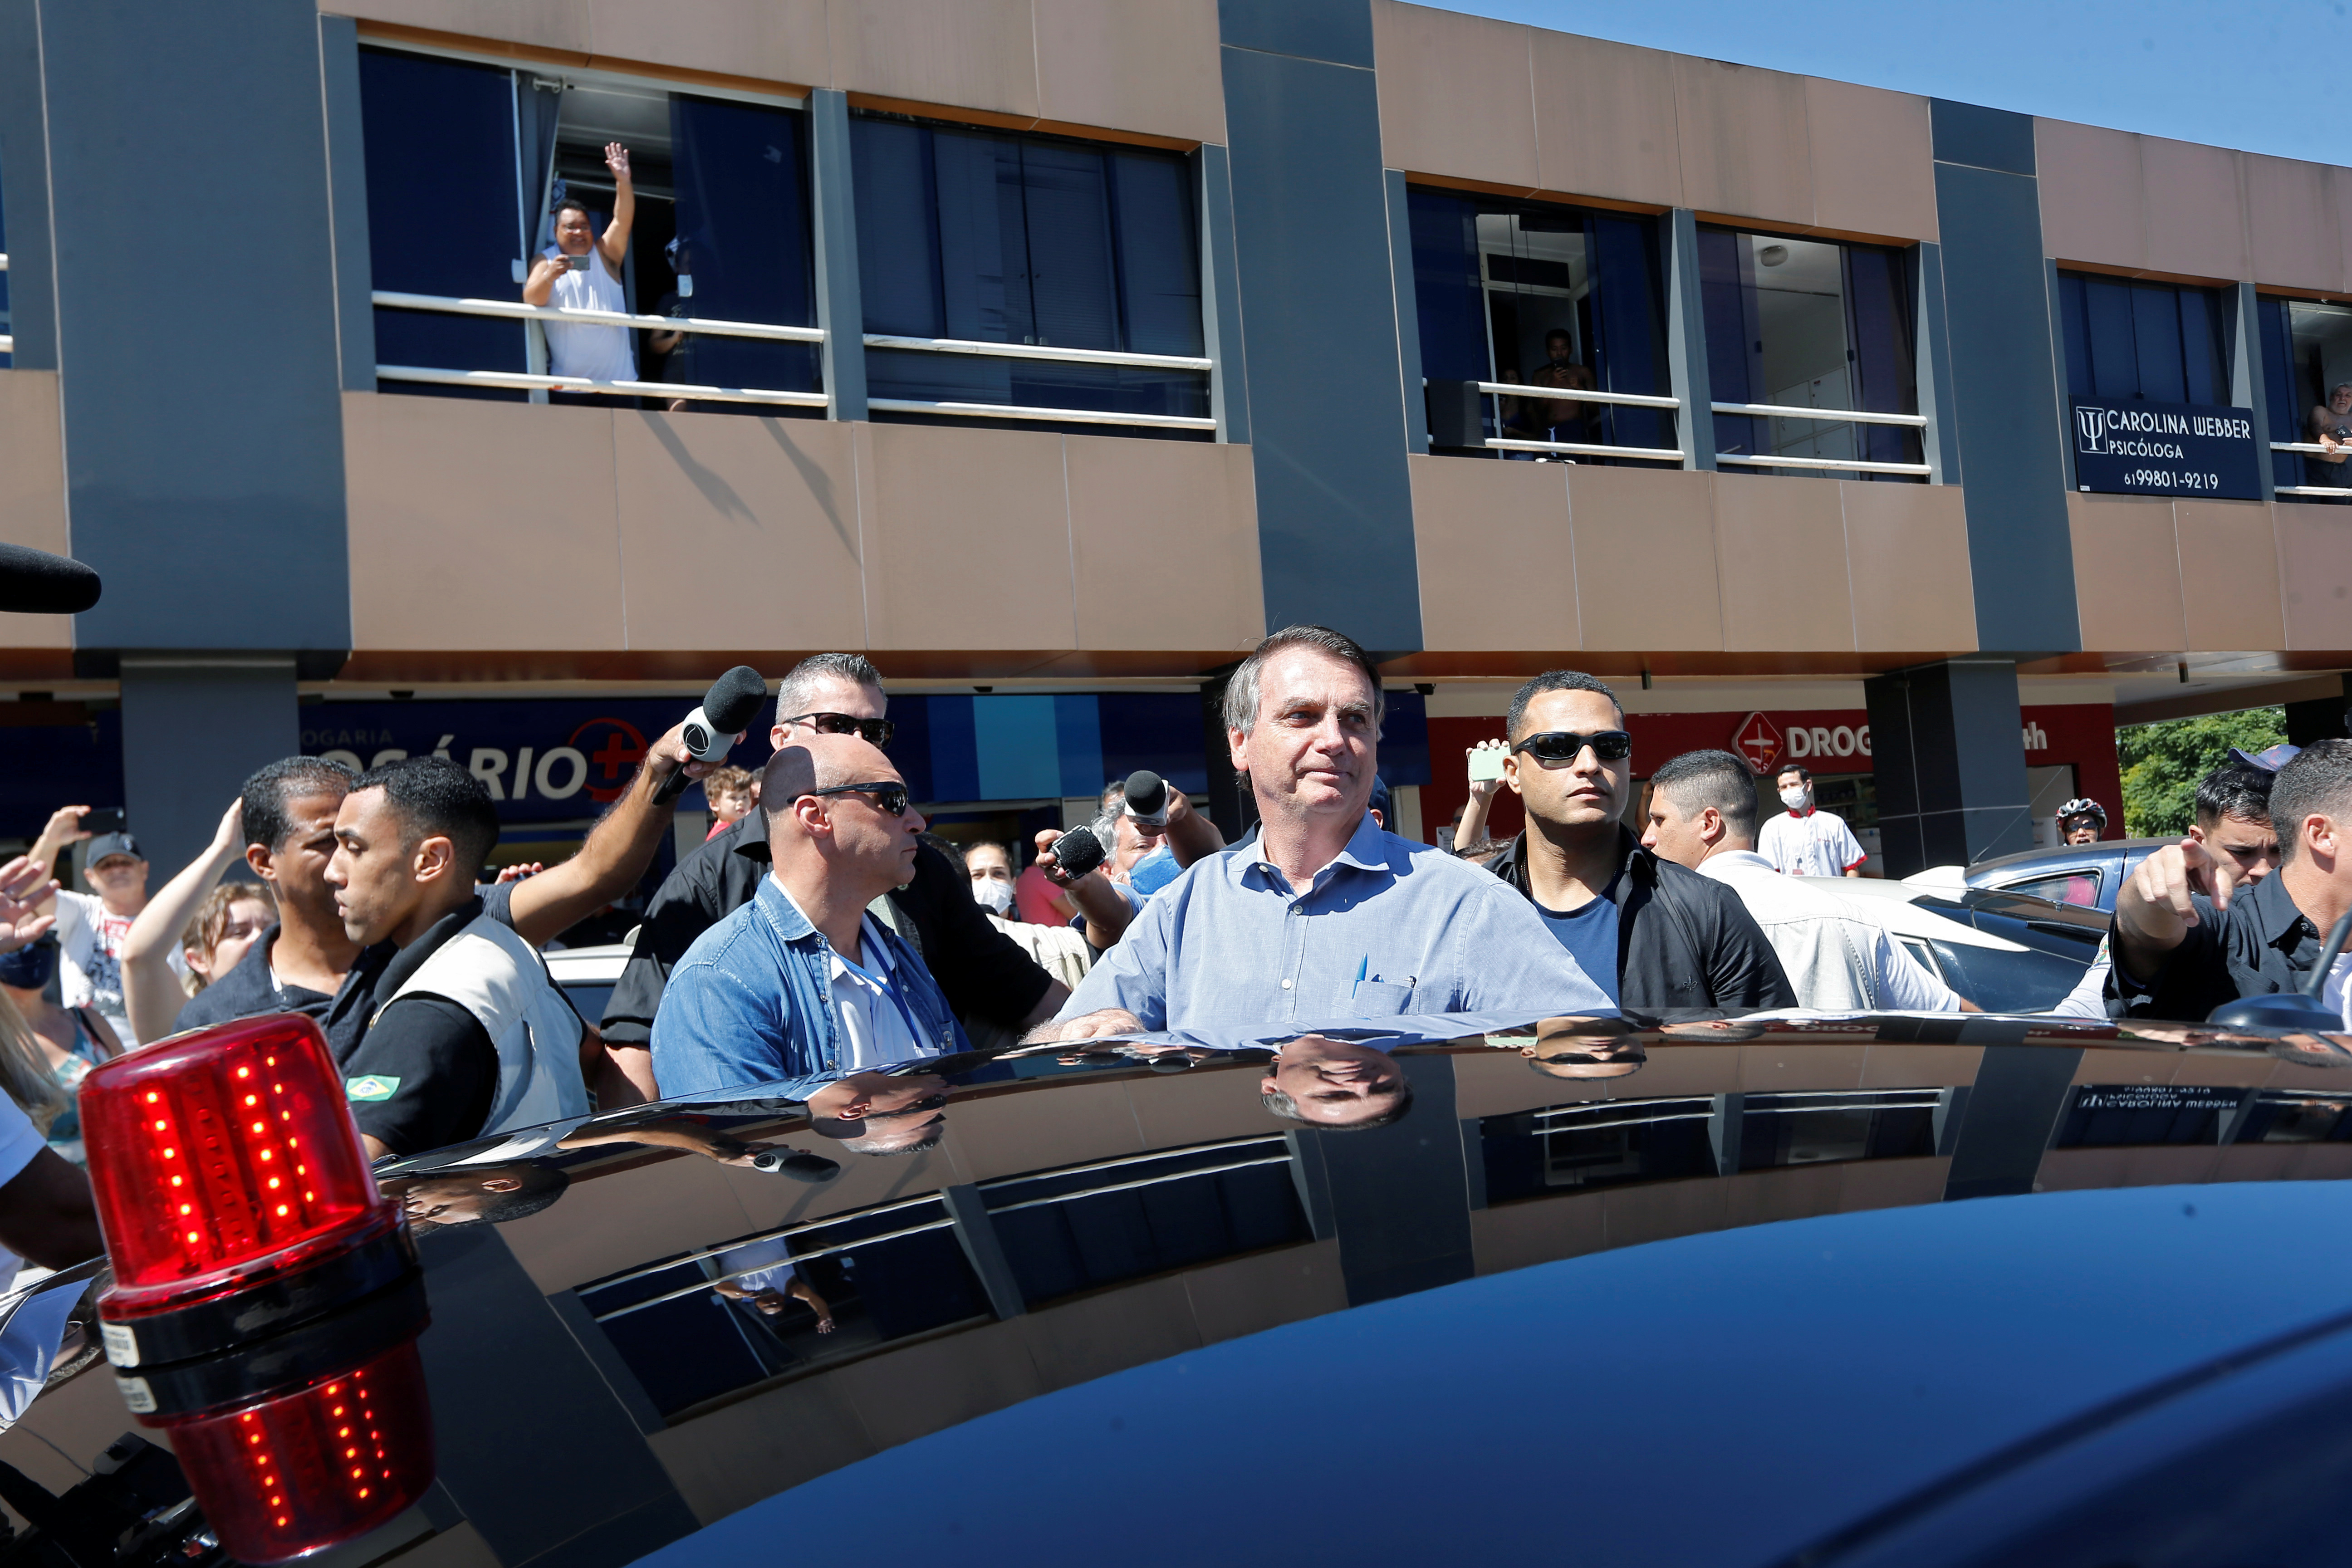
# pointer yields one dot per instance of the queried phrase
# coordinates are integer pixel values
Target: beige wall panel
(481, 525)
(1521, 1235)
(1907, 562)
(1632, 1216)
(2093, 207)
(2339, 193)
(925, 1388)
(965, 534)
(1127, 499)
(772, 502)
(1632, 524)
(1136, 65)
(1498, 559)
(1605, 123)
(2291, 224)
(32, 491)
(1456, 94)
(1745, 149)
(544, 23)
(730, 1459)
(973, 54)
(2196, 216)
(1781, 541)
(2229, 575)
(2126, 574)
(1109, 1331)
(1873, 161)
(1199, 1106)
(775, 40)
(1246, 1295)
(1009, 1135)
(1917, 1066)
(2315, 557)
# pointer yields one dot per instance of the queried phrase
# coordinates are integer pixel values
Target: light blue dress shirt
(1391, 927)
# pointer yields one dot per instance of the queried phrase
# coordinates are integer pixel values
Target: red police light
(223, 1160)
(295, 1472)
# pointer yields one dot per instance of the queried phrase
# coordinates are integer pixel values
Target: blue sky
(2269, 76)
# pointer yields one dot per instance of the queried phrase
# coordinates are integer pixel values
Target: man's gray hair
(2317, 782)
(1697, 780)
(1557, 680)
(1242, 688)
(798, 689)
(1401, 1101)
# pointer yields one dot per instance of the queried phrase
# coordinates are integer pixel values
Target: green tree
(2162, 763)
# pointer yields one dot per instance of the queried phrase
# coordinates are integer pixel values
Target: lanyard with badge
(882, 984)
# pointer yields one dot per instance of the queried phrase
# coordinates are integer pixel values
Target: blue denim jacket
(751, 1002)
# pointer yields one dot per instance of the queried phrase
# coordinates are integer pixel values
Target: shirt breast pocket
(1380, 999)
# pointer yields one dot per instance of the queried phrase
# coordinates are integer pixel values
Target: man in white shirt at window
(1805, 842)
(1702, 814)
(91, 926)
(583, 272)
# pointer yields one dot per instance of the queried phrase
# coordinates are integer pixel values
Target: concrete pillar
(192, 729)
(1949, 745)
(840, 308)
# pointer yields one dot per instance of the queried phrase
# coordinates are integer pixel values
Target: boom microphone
(36, 583)
(727, 710)
(1147, 797)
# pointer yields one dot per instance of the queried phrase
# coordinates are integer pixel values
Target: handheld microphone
(36, 583)
(1147, 797)
(727, 710)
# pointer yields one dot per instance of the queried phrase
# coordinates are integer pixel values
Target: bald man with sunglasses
(1656, 935)
(804, 981)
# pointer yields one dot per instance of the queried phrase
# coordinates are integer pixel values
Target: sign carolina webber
(2166, 450)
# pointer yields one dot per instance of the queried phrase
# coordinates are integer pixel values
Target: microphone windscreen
(36, 583)
(1146, 792)
(734, 698)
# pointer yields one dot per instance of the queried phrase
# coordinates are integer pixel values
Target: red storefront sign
(1758, 738)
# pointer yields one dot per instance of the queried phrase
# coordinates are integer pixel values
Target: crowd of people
(823, 946)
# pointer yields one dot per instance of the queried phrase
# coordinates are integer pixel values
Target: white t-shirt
(1839, 956)
(89, 943)
(1818, 844)
(875, 1031)
(2089, 997)
(600, 354)
(761, 1265)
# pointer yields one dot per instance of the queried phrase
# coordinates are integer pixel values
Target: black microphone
(36, 583)
(728, 709)
(1147, 797)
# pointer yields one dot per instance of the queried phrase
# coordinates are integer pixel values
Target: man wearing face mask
(1804, 842)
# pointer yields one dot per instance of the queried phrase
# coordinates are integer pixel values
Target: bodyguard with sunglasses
(1656, 935)
(804, 981)
(985, 973)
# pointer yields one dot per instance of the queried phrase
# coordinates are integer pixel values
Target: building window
(1512, 293)
(1800, 323)
(2156, 342)
(2307, 364)
(469, 168)
(970, 237)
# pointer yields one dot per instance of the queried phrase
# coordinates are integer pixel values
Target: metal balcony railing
(2341, 492)
(1820, 416)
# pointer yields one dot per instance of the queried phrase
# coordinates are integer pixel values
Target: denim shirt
(751, 1002)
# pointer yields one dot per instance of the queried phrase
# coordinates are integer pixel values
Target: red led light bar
(224, 1159)
(294, 1472)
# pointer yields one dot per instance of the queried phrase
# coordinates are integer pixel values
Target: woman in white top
(581, 272)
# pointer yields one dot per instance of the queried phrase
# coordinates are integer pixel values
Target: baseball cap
(2270, 759)
(104, 844)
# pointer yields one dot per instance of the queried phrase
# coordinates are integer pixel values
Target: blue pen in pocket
(1363, 967)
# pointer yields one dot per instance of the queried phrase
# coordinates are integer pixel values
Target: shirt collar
(792, 924)
(2272, 907)
(1729, 858)
(1366, 850)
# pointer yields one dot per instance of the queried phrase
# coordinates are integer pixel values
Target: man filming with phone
(582, 271)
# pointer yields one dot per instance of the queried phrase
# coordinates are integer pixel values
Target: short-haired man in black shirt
(2190, 934)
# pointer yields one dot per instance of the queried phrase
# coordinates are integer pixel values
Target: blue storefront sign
(2166, 450)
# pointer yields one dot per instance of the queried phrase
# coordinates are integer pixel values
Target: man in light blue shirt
(1326, 917)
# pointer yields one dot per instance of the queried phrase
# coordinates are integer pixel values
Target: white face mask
(997, 895)
(1794, 799)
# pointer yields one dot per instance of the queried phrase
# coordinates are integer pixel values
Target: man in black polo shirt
(2190, 934)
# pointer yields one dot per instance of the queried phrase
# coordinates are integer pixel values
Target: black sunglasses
(890, 797)
(1567, 745)
(875, 731)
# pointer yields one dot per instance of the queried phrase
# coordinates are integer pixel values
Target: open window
(1027, 278)
(2307, 366)
(1566, 303)
(1810, 357)
(470, 165)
